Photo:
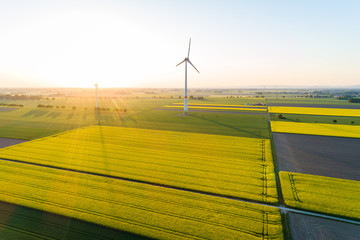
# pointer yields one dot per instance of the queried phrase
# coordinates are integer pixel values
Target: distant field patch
(7, 109)
(232, 166)
(219, 108)
(321, 194)
(220, 105)
(146, 210)
(5, 142)
(316, 111)
(335, 130)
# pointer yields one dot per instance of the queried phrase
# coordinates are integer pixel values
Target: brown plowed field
(318, 155)
(308, 227)
(5, 142)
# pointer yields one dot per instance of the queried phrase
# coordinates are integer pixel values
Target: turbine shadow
(35, 113)
(250, 134)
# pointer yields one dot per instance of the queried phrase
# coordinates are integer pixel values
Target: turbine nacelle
(187, 59)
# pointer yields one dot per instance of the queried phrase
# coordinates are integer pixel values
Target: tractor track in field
(282, 208)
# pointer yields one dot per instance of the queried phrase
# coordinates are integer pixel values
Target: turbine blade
(181, 62)
(189, 48)
(193, 66)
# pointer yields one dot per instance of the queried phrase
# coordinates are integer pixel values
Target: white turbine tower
(187, 60)
(96, 93)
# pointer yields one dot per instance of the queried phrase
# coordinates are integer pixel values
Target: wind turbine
(187, 60)
(96, 93)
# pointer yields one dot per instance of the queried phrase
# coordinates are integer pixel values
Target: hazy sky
(137, 43)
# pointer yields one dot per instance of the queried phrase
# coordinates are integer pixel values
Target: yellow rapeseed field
(322, 194)
(316, 111)
(232, 166)
(151, 211)
(323, 129)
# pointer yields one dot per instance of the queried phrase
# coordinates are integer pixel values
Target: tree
(280, 116)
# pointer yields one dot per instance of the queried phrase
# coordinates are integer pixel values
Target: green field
(343, 120)
(232, 166)
(142, 209)
(31, 122)
(307, 100)
(217, 108)
(322, 194)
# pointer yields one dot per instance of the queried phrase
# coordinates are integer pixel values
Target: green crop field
(343, 120)
(35, 123)
(31, 122)
(233, 166)
(221, 108)
(254, 126)
(143, 209)
(322, 194)
(307, 100)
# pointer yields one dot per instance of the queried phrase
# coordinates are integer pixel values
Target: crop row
(142, 209)
(220, 168)
(322, 194)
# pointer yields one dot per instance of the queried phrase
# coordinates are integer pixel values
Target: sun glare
(81, 49)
